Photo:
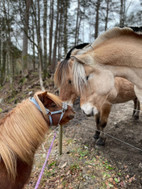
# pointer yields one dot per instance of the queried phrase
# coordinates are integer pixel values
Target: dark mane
(136, 29)
(63, 68)
(80, 46)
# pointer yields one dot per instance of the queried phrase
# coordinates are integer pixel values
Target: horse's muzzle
(71, 116)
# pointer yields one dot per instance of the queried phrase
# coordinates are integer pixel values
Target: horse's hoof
(136, 117)
(100, 142)
(96, 135)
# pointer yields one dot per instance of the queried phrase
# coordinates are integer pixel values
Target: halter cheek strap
(49, 113)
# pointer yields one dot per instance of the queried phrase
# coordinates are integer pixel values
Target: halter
(49, 113)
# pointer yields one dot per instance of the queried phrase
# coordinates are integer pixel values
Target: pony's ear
(84, 59)
(41, 96)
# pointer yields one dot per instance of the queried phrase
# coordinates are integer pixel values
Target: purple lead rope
(42, 170)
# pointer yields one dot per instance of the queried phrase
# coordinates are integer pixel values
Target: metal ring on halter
(49, 113)
(65, 106)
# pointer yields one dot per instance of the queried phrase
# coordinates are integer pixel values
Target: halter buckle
(64, 106)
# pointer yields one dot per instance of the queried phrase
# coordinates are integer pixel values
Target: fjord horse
(70, 87)
(22, 131)
(92, 103)
(117, 52)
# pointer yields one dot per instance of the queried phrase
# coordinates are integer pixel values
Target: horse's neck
(132, 74)
(118, 71)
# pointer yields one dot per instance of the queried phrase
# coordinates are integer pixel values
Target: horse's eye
(87, 77)
(53, 105)
(69, 81)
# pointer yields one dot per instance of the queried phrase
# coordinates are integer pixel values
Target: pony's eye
(69, 81)
(53, 105)
(87, 77)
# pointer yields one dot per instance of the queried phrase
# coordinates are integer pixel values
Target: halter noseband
(49, 113)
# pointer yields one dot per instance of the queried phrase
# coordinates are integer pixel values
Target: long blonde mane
(21, 132)
(79, 77)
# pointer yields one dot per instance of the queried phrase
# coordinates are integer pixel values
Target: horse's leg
(97, 119)
(136, 110)
(138, 92)
(104, 114)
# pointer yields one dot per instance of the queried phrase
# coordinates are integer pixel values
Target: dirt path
(122, 126)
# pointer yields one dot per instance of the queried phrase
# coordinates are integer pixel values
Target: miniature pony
(22, 131)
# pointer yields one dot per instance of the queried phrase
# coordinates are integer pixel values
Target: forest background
(36, 34)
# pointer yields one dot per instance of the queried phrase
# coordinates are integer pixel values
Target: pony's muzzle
(71, 116)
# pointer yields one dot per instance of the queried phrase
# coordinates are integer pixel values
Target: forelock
(79, 77)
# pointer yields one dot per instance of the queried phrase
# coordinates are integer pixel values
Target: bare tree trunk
(39, 47)
(66, 27)
(8, 48)
(51, 29)
(60, 31)
(36, 13)
(122, 13)
(33, 44)
(1, 49)
(45, 38)
(1, 56)
(97, 19)
(40, 68)
(77, 23)
(25, 38)
(55, 40)
(107, 13)
(8, 69)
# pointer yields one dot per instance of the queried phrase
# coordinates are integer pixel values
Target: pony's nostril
(71, 116)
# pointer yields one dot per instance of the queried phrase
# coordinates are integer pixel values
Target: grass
(82, 166)
(74, 167)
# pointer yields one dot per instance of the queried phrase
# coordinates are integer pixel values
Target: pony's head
(53, 108)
